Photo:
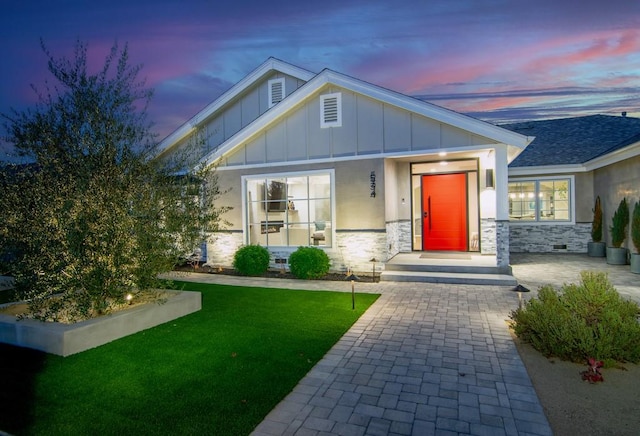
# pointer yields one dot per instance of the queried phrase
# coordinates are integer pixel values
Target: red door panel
(444, 212)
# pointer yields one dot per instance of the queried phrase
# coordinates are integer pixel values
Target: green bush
(251, 260)
(581, 321)
(596, 225)
(309, 263)
(620, 222)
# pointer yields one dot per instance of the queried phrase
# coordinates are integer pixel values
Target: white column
(502, 180)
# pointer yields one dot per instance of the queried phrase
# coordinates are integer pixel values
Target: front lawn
(217, 371)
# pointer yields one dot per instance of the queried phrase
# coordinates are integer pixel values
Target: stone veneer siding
(398, 238)
(502, 252)
(488, 236)
(541, 238)
(222, 246)
(351, 249)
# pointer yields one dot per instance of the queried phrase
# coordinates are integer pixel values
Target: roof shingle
(574, 140)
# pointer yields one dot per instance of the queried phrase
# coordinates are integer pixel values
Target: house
(360, 171)
(553, 183)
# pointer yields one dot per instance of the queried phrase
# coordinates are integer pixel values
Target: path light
(129, 297)
(373, 272)
(353, 279)
(520, 289)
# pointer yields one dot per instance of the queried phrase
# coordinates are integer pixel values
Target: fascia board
(431, 111)
(402, 101)
(270, 64)
(625, 153)
(293, 100)
(546, 170)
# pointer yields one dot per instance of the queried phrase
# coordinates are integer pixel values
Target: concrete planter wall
(616, 256)
(67, 339)
(635, 263)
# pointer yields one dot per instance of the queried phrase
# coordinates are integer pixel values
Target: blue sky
(498, 60)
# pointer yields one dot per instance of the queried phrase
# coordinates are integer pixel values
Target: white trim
(332, 187)
(572, 199)
(276, 98)
(312, 87)
(271, 64)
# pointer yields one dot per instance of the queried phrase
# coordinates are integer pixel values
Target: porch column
(502, 205)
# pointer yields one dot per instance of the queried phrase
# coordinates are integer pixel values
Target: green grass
(217, 371)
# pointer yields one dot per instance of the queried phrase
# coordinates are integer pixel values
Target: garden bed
(66, 339)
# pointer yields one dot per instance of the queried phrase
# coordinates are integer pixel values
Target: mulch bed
(271, 273)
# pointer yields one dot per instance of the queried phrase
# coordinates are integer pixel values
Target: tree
(96, 215)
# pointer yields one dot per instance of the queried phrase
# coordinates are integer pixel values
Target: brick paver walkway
(423, 360)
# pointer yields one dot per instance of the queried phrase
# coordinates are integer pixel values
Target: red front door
(444, 212)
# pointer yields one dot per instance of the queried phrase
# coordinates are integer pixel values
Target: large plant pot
(616, 256)
(635, 263)
(596, 249)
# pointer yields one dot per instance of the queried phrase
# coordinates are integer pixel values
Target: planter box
(596, 249)
(67, 339)
(635, 263)
(616, 256)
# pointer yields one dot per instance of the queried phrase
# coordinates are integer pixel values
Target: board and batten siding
(369, 127)
(239, 113)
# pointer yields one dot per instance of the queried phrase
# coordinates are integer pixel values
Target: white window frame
(332, 200)
(538, 221)
(272, 83)
(325, 100)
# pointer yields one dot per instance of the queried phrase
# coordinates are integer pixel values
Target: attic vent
(331, 110)
(276, 91)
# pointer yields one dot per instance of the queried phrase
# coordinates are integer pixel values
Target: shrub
(596, 225)
(620, 222)
(251, 260)
(581, 321)
(635, 226)
(309, 263)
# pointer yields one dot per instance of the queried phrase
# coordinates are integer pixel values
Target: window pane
(522, 201)
(554, 200)
(289, 211)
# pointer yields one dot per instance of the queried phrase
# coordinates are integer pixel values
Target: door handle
(429, 211)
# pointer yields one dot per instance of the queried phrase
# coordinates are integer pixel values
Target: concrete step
(442, 268)
(460, 278)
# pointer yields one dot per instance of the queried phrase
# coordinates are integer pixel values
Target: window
(289, 210)
(276, 91)
(331, 110)
(540, 200)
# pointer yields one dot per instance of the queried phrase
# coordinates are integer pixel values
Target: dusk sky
(497, 60)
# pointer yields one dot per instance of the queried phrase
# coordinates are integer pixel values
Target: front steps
(462, 273)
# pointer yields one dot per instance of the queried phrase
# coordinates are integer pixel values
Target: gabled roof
(574, 141)
(267, 67)
(329, 77)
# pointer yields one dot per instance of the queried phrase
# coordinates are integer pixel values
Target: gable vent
(276, 91)
(331, 110)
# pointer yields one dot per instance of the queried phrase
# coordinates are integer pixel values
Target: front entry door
(444, 212)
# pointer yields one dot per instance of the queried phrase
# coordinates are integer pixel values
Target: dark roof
(574, 140)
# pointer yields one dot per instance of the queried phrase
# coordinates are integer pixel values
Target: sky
(497, 60)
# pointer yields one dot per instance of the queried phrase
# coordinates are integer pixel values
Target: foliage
(635, 226)
(596, 225)
(218, 371)
(309, 263)
(251, 260)
(589, 319)
(592, 373)
(620, 222)
(94, 214)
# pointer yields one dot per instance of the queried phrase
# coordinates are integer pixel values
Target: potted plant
(616, 254)
(596, 248)
(635, 238)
